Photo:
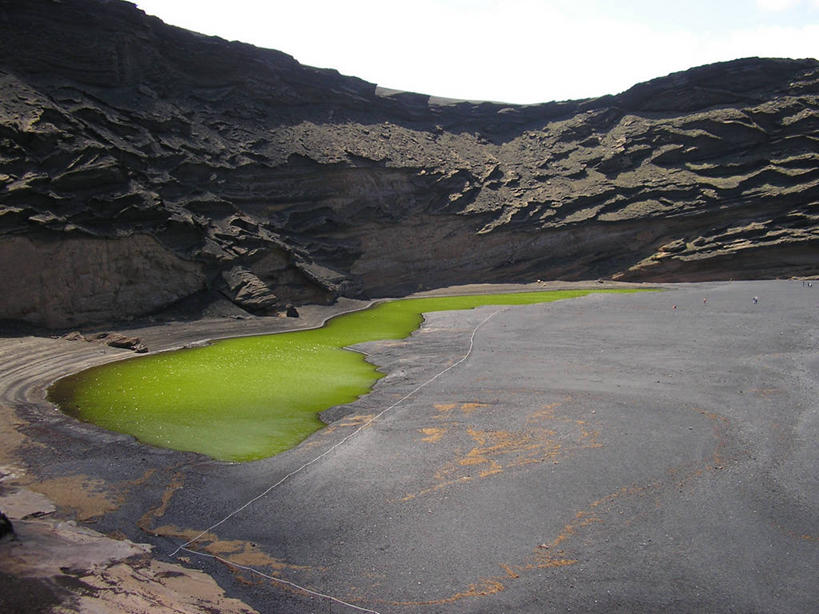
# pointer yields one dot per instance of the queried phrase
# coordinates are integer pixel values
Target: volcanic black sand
(614, 453)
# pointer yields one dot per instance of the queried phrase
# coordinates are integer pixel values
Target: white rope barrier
(279, 580)
(316, 459)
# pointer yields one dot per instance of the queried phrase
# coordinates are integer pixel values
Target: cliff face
(153, 165)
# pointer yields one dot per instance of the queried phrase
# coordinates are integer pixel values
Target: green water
(252, 397)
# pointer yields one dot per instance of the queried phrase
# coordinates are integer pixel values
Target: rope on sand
(279, 580)
(319, 457)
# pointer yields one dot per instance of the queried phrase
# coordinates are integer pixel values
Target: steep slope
(142, 165)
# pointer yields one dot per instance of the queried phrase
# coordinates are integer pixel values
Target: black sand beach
(614, 453)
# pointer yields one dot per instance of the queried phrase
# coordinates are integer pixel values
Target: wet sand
(609, 453)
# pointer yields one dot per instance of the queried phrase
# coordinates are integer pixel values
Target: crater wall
(266, 182)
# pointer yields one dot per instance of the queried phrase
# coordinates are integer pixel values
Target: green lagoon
(248, 398)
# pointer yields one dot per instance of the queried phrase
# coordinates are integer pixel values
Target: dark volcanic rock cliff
(142, 165)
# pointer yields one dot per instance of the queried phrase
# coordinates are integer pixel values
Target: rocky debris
(145, 165)
(249, 292)
(22, 503)
(74, 336)
(114, 340)
(54, 563)
(117, 340)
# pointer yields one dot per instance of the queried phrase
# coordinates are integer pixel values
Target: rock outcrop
(67, 279)
(58, 566)
(142, 164)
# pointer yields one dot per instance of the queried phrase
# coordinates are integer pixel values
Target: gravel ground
(614, 453)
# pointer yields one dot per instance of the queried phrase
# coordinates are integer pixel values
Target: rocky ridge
(144, 167)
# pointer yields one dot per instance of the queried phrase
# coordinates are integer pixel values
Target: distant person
(756, 300)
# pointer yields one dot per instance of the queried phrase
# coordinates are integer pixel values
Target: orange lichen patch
(544, 559)
(472, 459)
(545, 555)
(356, 420)
(436, 488)
(445, 406)
(86, 497)
(248, 554)
(509, 571)
(446, 472)
(433, 434)
(318, 438)
(623, 492)
(549, 555)
(521, 447)
(546, 439)
(346, 422)
(229, 550)
(468, 408)
(494, 467)
(547, 413)
(485, 586)
(495, 584)
(148, 517)
(581, 519)
(587, 434)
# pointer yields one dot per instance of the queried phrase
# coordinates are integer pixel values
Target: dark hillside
(143, 166)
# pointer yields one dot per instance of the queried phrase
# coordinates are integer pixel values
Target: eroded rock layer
(155, 165)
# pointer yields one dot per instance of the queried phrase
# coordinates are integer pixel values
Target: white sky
(520, 51)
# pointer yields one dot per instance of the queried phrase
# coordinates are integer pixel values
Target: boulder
(117, 340)
(244, 288)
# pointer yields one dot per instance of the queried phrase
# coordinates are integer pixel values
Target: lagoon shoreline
(66, 470)
(40, 488)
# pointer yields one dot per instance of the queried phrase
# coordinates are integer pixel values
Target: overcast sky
(520, 51)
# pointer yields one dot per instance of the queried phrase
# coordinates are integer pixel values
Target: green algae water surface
(248, 398)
